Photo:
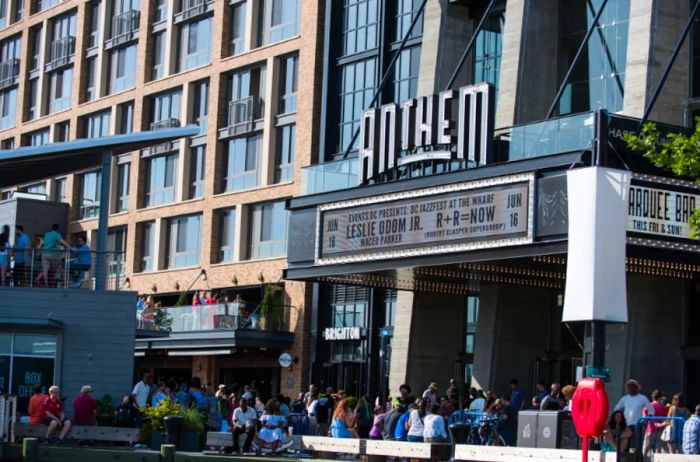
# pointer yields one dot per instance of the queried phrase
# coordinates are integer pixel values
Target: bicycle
(489, 432)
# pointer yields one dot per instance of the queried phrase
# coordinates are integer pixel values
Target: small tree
(676, 152)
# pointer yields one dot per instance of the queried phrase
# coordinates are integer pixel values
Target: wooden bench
(80, 432)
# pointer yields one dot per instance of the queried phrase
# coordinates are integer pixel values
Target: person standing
(416, 423)
(85, 407)
(652, 434)
(83, 264)
(552, 402)
(632, 406)
(517, 396)
(50, 253)
(677, 409)
(141, 391)
(19, 272)
(55, 417)
(691, 433)
(4, 253)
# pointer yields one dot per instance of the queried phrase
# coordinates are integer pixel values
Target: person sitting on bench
(244, 421)
(55, 417)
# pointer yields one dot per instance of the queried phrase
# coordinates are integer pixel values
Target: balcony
(193, 9)
(125, 28)
(329, 176)
(222, 325)
(9, 73)
(61, 53)
(168, 146)
(244, 116)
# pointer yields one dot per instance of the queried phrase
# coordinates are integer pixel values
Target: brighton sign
(342, 333)
(424, 129)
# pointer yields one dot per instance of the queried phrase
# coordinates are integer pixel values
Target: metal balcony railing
(165, 123)
(9, 72)
(245, 111)
(191, 9)
(62, 50)
(125, 24)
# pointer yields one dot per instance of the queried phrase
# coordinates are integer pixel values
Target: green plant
(677, 152)
(153, 416)
(272, 306)
(105, 412)
(192, 420)
(162, 321)
(183, 300)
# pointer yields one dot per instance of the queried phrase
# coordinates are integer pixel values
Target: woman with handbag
(678, 409)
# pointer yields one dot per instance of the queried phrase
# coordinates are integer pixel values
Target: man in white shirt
(244, 419)
(431, 394)
(633, 404)
(478, 404)
(141, 391)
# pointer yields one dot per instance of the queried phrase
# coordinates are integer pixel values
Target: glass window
(97, 124)
(158, 71)
(227, 234)
(94, 37)
(90, 184)
(61, 131)
(598, 78)
(281, 20)
(160, 179)
(284, 157)
(8, 108)
(39, 137)
(356, 92)
(201, 105)
(288, 85)
(195, 44)
(59, 190)
(197, 164)
(123, 170)
(60, 89)
(36, 47)
(161, 11)
(184, 241)
(45, 4)
(148, 235)
(241, 163)
(116, 239)
(33, 110)
(487, 50)
(360, 25)
(405, 12)
(390, 308)
(19, 10)
(165, 106)
(238, 13)
(36, 188)
(406, 74)
(10, 48)
(126, 117)
(26, 360)
(268, 230)
(90, 87)
(472, 315)
(122, 75)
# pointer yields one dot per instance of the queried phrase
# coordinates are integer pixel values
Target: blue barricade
(641, 427)
(300, 422)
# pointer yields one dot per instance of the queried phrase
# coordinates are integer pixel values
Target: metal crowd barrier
(641, 427)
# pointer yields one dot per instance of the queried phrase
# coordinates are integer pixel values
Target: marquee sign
(424, 129)
(450, 218)
(661, 212)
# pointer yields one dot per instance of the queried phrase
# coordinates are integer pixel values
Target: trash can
(527, 429)
(458, 435)
(556, 430)
(172, 428)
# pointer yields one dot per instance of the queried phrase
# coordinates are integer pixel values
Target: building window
(125, 114)
(123, 171)
(161, 11)
(33, 109)
(197, 164)
(97, 124)
(165, 106)
(19, 10)
(280, 20)
(60, 88)
(94, 31)
(195, 44)
(284, 155)
(268, 230)
(184, 241)
(35, 188)
(471, 317)
(59, 190)
(599, 77)
(148, 237)
(3, 13)
(288, 85)
(405, 12)
(8, 108)
(91, 70)
(11, 48)
(227, 235)
(406, 74)
(241, 163)
(160, 180)
(390, 307)
(238, 13)
(116, 245)
(349, 308)
(61, 132)
(487, 50)
(356, 93)
(42, 5)
(26, 360)
(7, 143)
(38, 137)
(90, 185)
(360, 26)
(158, 71)
(122, 73)
(200, 110)
(36, 47)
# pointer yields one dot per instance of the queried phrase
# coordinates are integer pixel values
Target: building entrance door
(345, 376)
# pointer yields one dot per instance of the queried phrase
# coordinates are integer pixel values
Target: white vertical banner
(596, 284)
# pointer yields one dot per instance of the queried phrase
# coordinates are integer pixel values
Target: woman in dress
(678, 408)
(342, 425)
(272, 437)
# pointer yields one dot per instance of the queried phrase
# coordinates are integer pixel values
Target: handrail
(125, 23)
(677, 429)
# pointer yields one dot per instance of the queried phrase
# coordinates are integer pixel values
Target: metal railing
(641, 427)
(62, 50)
(165, 123)
(125, 23)
(220, 316)
(65, 269)
(245, 111)
(9, 71)
(193, 7)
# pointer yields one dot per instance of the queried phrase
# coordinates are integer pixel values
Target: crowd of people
(42, 261)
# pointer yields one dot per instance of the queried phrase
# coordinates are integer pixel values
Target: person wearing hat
(633, 404)
(85, 407)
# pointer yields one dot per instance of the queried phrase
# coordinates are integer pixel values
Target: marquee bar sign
(661, 212)
(450, 218)
(424, 128)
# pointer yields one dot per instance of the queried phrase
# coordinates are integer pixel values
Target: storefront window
(598, 78)
(26, 360)
(471, 317)
(487, 50)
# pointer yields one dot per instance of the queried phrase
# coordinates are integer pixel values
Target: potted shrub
(153, 421)
(105, 412)
(272, 308)
(191, 430)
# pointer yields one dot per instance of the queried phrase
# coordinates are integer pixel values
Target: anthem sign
(451, 218)
(450, 125)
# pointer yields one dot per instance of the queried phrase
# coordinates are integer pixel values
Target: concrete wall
(36, 216)
(98, 335)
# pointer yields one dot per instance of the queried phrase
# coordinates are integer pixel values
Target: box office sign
(661, 212)
(450, 218)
